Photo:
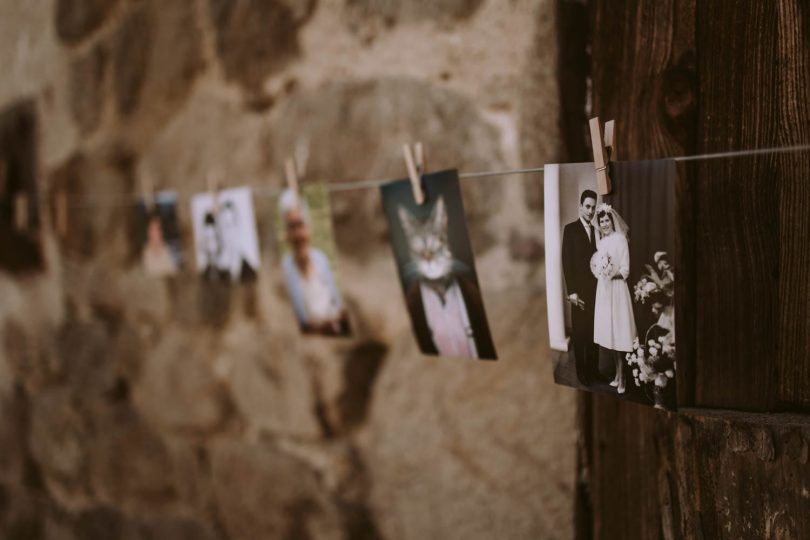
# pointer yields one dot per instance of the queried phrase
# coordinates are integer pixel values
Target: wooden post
(686, 77)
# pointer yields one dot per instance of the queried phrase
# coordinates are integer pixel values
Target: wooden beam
(684, 77)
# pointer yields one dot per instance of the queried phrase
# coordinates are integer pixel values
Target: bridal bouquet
(602, 266)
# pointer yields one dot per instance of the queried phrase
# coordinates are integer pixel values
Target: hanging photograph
(436, 267)
(610, 279)
(225, 238)
(160, 245)
(308, 261)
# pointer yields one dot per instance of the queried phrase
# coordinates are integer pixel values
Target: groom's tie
(593, 241)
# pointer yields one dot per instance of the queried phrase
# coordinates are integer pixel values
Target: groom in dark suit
(578, 246)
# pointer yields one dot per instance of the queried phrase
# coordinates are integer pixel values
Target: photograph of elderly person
(160, 251)
(305, 229)
(226, 241)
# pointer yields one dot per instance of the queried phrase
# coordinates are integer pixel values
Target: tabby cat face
(430, 256)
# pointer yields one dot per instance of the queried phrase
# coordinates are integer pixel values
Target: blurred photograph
(437, 268)
(161, 248)
(225, 236)
(308, 261)
(610, 279)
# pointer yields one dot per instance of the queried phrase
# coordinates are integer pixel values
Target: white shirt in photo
(318, 301)
(449, 322)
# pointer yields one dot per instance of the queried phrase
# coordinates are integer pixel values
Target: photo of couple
(596, 265)
(226, 241)
(610, 281)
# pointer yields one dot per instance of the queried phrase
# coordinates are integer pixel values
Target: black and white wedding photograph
(436, 267)
(610, 279)
(226, 242)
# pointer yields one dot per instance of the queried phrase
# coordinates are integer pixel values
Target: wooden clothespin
(602, 154)
(292, 178)
(416, 168)
(21, 211)
(61, 211)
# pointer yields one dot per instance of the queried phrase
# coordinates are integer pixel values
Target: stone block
(87, 88)
(261, 492)
(256, 38)
(362, 12)
(78, 19)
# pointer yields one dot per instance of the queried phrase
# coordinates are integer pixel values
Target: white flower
(669, 373)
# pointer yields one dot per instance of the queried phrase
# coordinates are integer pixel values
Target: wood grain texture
(793, 361)
(693, 76)
(753, 343)
(736, 478)
(738, 221)
(573, 35)
(623, 465)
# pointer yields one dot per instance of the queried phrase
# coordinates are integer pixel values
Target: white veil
(619, 225)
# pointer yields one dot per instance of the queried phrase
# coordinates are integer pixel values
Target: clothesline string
(132, 199)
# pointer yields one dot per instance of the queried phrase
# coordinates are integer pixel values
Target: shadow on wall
(20, 249)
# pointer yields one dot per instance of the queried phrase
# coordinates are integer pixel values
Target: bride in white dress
(614, 326)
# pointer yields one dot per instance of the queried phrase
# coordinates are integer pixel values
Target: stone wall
(138, 408)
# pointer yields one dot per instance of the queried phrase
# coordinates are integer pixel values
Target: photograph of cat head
(431, 258)
(436, 267)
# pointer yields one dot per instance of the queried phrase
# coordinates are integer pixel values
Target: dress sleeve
(623, 257)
